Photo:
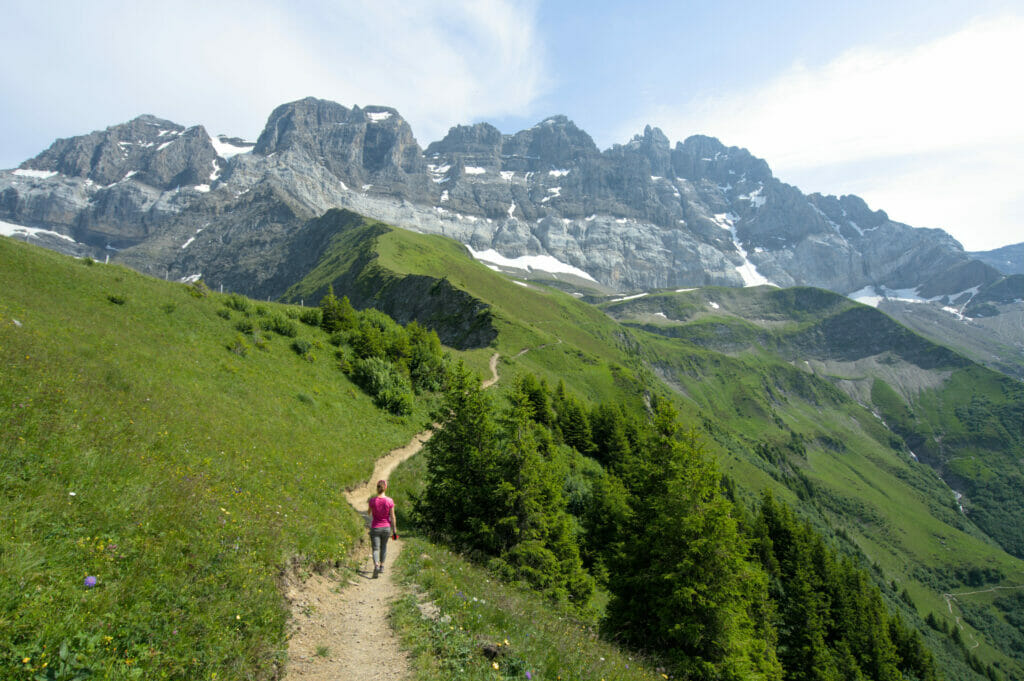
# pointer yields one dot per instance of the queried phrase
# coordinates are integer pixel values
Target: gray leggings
(379, 536)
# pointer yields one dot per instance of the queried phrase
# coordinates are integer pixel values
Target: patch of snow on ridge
(558, 173)
(714, 304)
(191, 279)
(756, 197)
(10, 229)
(38, 174)
(747, 270)
(507, 175)
(554, 192)
(227, 150)
(866, 296)
(378, 116)
(512, 209)
(543, 263)
(475, 170)
(632, 297)
(202, 188)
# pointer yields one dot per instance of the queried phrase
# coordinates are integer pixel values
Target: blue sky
(915, 106)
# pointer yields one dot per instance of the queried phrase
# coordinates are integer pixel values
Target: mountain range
(178, 203)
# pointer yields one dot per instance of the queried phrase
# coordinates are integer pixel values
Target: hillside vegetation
(774, 420)
(179, 447)
(206, 439)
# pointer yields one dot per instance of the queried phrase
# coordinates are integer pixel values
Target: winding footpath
(340, 628)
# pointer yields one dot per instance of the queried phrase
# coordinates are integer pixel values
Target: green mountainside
(203, 464)
(781, 382)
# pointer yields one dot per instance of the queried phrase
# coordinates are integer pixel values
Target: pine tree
(683, 586)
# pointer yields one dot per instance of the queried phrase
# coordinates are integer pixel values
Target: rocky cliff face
(640, 215)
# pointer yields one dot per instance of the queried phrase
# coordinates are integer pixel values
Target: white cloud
(227, 65)
(955, 98)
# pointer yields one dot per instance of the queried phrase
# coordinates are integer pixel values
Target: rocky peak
(354, 144)
(476, 145)
(700, 157)
(554, 143)
(651, 146)
(147, 149)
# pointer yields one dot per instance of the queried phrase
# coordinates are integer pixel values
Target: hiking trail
(339, 622)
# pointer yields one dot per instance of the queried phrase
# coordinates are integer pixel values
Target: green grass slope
(136, 448)
(835, 401)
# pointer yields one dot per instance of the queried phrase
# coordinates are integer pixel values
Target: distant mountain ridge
(177, 202)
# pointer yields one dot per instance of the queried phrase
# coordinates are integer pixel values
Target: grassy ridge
(135, 448)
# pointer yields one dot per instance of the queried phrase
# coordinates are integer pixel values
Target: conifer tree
(683, 587)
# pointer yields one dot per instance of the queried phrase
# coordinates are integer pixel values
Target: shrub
(224, 312)
(169, 308)
(280, 325)
(116, 299)
(302, 347)
(379, 378)
(311, 316)
(259, 340)
(237, 302)
(239, 346)
(198, 289)
(244, 325)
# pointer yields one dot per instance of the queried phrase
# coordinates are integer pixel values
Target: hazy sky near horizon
(915, 106)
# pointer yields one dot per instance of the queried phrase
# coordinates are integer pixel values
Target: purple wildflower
(90, 582)
(529, 675)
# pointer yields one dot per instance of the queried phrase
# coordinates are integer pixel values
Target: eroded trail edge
(339, 622)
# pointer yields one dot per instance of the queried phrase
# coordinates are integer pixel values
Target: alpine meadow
(645, 413)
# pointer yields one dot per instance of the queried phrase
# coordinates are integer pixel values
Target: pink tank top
(380, 509)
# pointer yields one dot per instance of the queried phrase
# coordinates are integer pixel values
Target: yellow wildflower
(494, 664)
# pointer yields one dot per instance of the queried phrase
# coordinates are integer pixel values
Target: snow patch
(38, 174)
(444, 195)
(747, 270)
(866, 296)
(475, 170)
(367, 186)
(191, 279)
(558, 173)
(226, 150)
(660, 314)
(378, 116)
(756, 198)
(632, 297)
(202, 188)
(543, 263)
(164, 145)
(714, 304)
(512, 209)
(554, 192)
(507, 175)
(10, 229)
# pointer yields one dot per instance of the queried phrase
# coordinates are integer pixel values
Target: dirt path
(340, 630)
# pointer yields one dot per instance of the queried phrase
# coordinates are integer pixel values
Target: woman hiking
(382, 524)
